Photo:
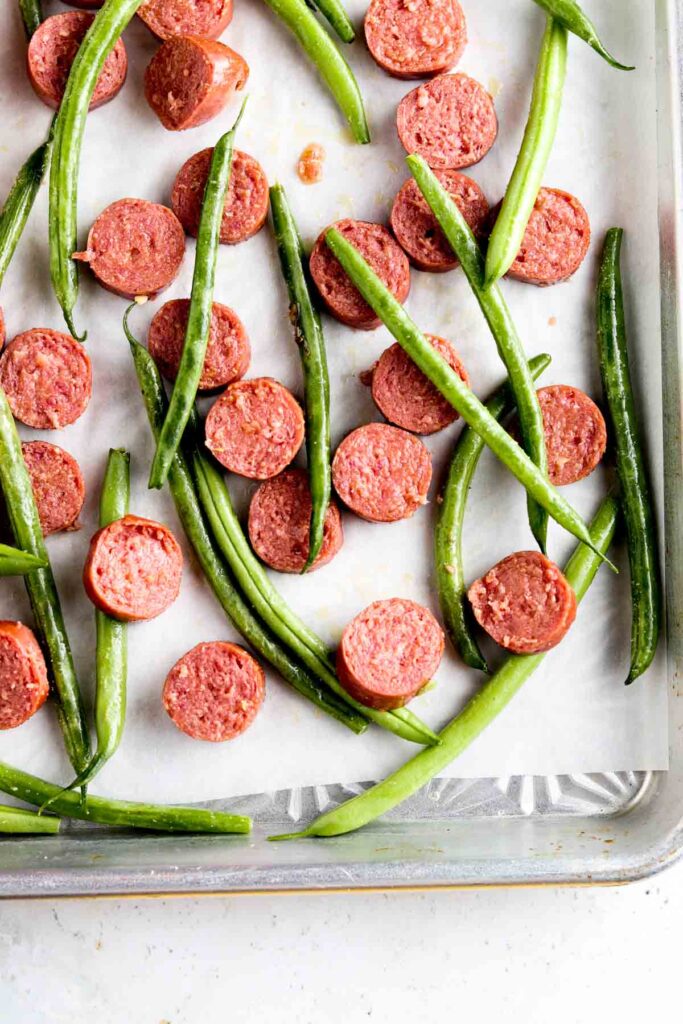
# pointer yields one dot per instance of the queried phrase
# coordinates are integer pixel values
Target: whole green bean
(98, 42)
(32, 15)
(336, 14)
(501, 325)
(331, 65)
(308, 334)
(14, 562)
(17, 821)
(450, 573)
(576, 21)
(20, 200)
(119, 813)
(454, 390)
(42, 590)
(636, 496)
(539, 135)
(201, 304)
(477, 714)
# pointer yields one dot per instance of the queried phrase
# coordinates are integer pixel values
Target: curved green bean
(450, 573)
(32, 15)
(539, 135)
(16, 820)
(636, 496)
(477, 714)
(14, 562)
(576, 21)
(20, 200)
(334, 12)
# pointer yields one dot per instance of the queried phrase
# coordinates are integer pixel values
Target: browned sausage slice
(575, 433)
(215, 691)
(450, 121)
(227, 354)
(255, 428)
(23, 675)
(280, 520)
(57, 484)
(556, 240)
(415, 38)
(524, 603)
(382, 473)
(189, 80)
(47, 378)
(206, 18)
(133, 569)
(386, 258)
(389, 652)
(246, 204)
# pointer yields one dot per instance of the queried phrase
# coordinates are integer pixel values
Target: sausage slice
(57, 483)
(415, 38)
(389, 652)
(246, 204)
(24, 685)
(556, 240)
(228, 352)
(206, 18)
(47, 378)
(575, 433)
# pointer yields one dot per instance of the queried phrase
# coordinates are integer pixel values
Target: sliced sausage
(406, 397)
(389, 652)
(135, 248)
(246, 204)
(387, 259)
(24, 685)
(47, 378)
(189, 80)
(382, 473)
(556, 240)
(417, 230)
(3, 332)
(215, 691)
(415, 38)
(206, 18)
(524, 603)
(228, 352)
(575, 433)
(57, 484)
(255, 428)
(280, 520)
(450, 121)
(133, 569)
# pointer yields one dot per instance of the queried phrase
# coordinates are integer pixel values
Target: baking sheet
(574, 715)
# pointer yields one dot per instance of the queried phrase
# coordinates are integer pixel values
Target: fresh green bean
(501, 325)
(14, 562)
(450, 574)
(576, 21)
(119, 813)
(42, 590)
(32, 15)
(636, 495)
(336, 14)
(477, 714)
(308, 334)
(332, 67)
(16, 820)
(454, 390)
(19, 202)
(539, 135)
(98, 42)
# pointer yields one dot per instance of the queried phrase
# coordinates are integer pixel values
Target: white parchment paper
(574, 715)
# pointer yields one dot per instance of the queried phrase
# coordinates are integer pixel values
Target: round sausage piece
(417, 230)
(387, 259)
(57, 483)
(280, 521)
(575, 433)
(246, 204)
(47, 378)
(24, 685)
(189, 80)
(406, 397)
(228, 352)
(133, 569)
(450, 121)
(255, 428)
(51, 52)
(415, 38)
(135, 248)
(524, 603)
(214, 691)
(389, 652)
(206, 18)
(382, 473)
(556, 239)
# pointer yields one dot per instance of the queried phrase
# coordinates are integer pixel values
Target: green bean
(450, 574)
(636, 496)
(98, 42)
(308, 334)
(337, 16)
(32, 15)
(539, 135)
(454, 390)
(42, 590)
(570, 14)
(119, 813)
(501, 325)
(20, 200)
(477, 714)
(14, 562)
(16, 820)
(201, 304)
(332, 67)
